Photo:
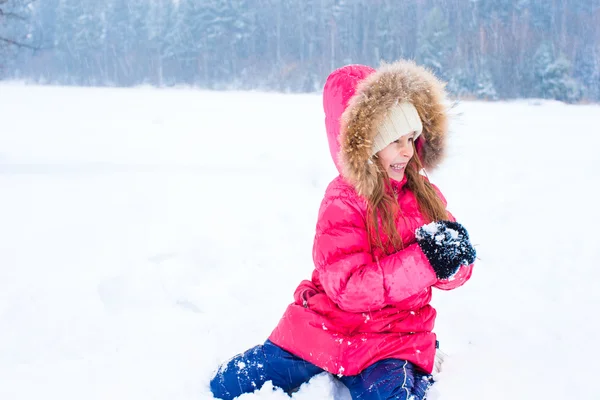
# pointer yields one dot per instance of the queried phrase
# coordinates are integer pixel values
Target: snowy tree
(138, 38)
(15, 31)
(460, 83)
(13, 14)
(160, 25)
(587, 70)
(552, 78)
(79, 40)
(118, 31)
(434, 44)
(485, 88)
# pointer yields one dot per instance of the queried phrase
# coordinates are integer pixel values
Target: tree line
(488, 49)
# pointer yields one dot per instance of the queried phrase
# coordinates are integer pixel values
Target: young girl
(383, 240)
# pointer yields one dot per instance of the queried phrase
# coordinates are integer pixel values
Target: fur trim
(402, 81)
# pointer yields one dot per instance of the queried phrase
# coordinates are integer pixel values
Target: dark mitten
(446, 245)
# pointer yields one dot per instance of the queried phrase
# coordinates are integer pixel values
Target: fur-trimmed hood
(356, 98)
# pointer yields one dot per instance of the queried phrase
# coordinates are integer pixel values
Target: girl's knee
(218, 387)
(389, 379)
(249, 371)
(241, 374)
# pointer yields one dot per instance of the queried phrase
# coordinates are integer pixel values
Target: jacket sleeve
(459, 279)
(464, 273)
(349, 275)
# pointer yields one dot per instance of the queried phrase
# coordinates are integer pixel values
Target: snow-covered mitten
(446, 245)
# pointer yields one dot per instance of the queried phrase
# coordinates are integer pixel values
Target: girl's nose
(404, 150)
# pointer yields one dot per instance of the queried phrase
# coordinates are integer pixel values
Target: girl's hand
(447, 246)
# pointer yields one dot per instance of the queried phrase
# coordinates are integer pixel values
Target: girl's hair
(382, 205)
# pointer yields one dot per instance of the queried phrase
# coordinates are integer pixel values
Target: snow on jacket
(361, 305)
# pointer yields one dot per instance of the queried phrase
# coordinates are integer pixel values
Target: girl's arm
(349, 276)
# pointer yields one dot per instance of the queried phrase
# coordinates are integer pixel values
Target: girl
(383, 240)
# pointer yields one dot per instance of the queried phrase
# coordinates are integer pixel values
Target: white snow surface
(148, 235)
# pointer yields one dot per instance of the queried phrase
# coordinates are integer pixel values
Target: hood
(356, 98)
(339, 88)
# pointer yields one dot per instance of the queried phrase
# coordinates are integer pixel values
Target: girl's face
(396, 156)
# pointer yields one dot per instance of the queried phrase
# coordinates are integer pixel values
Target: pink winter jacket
(362, 306)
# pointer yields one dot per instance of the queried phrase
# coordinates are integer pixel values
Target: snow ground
(148, 235)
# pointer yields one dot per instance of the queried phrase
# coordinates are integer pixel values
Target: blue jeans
(247, 372)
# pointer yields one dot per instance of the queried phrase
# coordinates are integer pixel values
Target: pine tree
(159, 28)
(485, 88)
(118, 30)
(434, 44)
(552, 77)
(587, 70)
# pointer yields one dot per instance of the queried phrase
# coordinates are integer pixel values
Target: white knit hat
(401, 120)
